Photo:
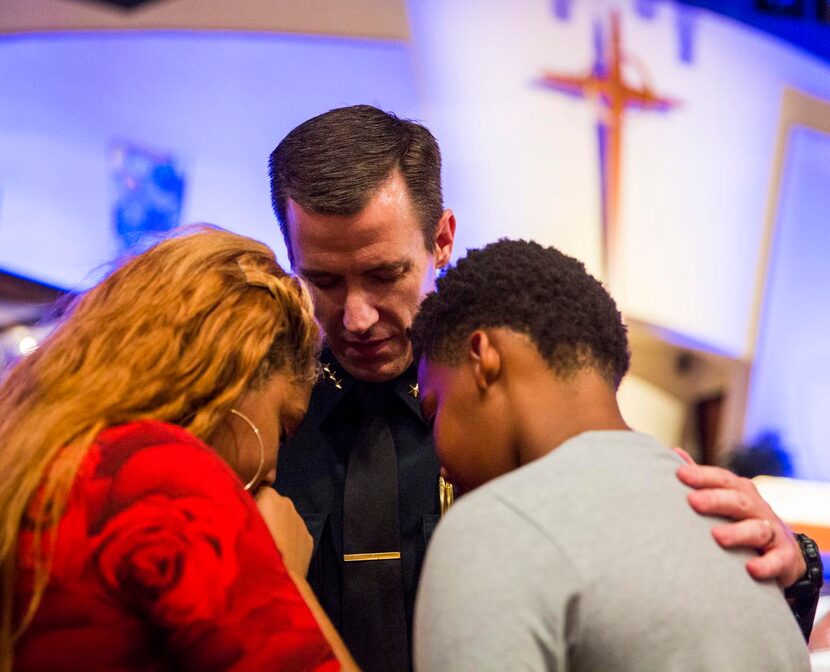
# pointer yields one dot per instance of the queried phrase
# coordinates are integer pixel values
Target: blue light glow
(217, 102)
(790, 388)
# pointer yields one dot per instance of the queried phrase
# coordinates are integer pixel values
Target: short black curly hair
(534, 290)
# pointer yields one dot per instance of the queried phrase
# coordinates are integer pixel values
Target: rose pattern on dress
(174, 557)
(162, 561)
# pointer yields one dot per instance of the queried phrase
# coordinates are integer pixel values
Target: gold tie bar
(361, 557)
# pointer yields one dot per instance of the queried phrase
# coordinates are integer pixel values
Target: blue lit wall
(219, 103)
(790, 389)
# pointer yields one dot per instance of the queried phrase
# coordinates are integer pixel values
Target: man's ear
(444, 238)
(485, 358)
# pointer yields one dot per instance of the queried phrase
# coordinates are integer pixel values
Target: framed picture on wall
(148, 194)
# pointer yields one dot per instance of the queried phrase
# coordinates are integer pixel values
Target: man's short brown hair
(334, 163)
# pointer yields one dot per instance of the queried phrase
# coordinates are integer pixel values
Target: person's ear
(444, 238)
(485, 358)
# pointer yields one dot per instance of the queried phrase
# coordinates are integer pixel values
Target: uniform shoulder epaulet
(328, 373)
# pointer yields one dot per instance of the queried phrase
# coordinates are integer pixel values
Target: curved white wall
(218, 102)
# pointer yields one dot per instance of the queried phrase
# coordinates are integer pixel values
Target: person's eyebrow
(313, 272)
(401, 265)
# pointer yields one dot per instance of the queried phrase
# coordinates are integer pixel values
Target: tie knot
(372, 397)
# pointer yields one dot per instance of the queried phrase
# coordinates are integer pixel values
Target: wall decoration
(607, 84)
(149, 189)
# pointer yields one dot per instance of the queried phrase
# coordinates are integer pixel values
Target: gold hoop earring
(250, 484)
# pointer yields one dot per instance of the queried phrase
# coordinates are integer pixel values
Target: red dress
(162, 562)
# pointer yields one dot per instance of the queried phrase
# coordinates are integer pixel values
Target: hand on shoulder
(719, 492)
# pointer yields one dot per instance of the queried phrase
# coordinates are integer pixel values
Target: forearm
(327, 628)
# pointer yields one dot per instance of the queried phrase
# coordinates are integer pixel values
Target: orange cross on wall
(606, 84)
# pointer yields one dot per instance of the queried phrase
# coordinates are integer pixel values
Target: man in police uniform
(357, 193)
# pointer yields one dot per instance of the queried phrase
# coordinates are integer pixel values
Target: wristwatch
(803, 594)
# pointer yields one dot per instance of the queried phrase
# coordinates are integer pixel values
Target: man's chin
(375, 371)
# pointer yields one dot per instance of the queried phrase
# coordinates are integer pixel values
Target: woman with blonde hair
(128, 542)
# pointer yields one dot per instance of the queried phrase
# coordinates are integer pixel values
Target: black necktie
(374, 621)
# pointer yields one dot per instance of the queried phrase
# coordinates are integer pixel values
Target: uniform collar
(406, 387)
(335, 383)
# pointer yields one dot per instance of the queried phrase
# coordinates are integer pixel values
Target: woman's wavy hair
(174, 334)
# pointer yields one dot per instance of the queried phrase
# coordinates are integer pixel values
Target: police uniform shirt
(311, 471)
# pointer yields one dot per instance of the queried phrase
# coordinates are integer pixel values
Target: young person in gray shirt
(578, 551)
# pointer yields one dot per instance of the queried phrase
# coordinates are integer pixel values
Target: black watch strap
(803, 594)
